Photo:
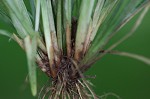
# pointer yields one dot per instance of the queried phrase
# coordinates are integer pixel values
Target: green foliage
(123, 10)
(46, 27)
(83, 24)
(30, 47)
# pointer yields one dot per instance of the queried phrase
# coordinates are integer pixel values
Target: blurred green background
(128, 78)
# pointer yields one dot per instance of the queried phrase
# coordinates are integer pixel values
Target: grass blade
(76, 7)
(54, 6)
(30, 46)
(134, 28)
(4, 15)
(33, 10)
(98, 11)
(37, 23)
(131, 55)
(105, 12)
(136, 25)
(53, 32)
(19, 41)
(48, 40)
(102, 9)
(5, 33)
(109, 6)
(3, 8)
(18, 9)
(37, 17)
(18, 26)
(124, 9)
(67, 24)
(83, 24)
(59, 24)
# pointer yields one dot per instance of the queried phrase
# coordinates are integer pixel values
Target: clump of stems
(64, 38)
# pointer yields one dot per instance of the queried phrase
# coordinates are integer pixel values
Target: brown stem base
(69, 84)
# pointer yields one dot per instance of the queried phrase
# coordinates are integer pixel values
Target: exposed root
(69, 84)
(109, 94)
(61, 89)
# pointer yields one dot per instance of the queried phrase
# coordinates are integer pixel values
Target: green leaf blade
(123, 10)
(59, 25)
(83, 24)
(5, 33)
(134, 56)
(18, 9)
(48, 38)
(30, 47)
(67, 14)
(37, 16)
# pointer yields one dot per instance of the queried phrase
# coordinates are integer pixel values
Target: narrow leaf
(136, 25)
(30, 46)
(4, 15)
(37, 17)
(18, 40)
(67, 24)
(134, 56)
(76, 7)
(123, 9)
(18, 26)
(83, 24)
(52, 28)
(59, 24)
(32, 5)
(132, 31)
(102, 9)
(5, 33)
(54, 6)
(105, 11)
(48, 40)
(18, 9)
(98, 11)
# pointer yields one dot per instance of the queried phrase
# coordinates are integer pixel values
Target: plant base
(69, 84)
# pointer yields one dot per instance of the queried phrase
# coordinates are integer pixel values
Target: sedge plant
(64, 38)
